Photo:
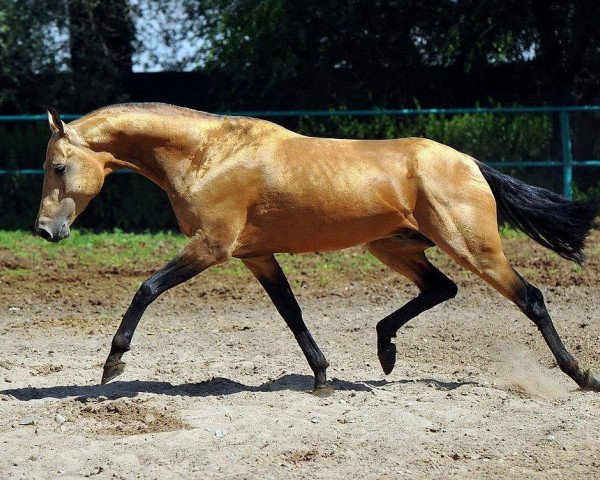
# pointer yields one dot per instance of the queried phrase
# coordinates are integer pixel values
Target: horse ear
(56, 124)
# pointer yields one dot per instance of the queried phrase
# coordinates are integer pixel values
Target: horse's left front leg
(271, 277)
(197, 256)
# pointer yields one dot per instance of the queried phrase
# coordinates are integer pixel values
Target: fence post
(567, 154)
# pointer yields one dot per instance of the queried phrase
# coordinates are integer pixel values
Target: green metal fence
(567, 163)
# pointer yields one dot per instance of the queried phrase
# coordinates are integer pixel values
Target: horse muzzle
(53, 231)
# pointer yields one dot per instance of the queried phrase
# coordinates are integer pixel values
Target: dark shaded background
(77, 55)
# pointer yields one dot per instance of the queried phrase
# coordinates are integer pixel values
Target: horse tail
(546, 217)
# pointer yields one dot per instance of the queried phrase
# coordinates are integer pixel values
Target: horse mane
(156, 107)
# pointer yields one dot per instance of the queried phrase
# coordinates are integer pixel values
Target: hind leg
(532, 304)
(408, 258)
(469, 235)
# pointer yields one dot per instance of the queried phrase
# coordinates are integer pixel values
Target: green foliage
(30, 45)
(101, 37)
(67, 53)
(278, 52)
(488, 136)
(593, 191)
(129, 202)
(18, 202)
(23, 145)
(366, 52)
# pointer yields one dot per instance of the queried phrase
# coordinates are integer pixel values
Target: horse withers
(248, 188)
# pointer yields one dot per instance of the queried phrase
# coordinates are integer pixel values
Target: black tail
(548, 218)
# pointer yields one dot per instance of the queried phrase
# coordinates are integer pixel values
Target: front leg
(197, 256)
(271, 277)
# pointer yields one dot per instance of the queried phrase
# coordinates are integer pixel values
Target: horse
(248, 188)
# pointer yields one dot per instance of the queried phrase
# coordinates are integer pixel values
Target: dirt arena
(216, 387)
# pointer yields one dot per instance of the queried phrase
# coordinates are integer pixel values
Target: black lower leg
(277, 287)
(317, 361)
(533, 306)
(437, 288)
(121, 342)
(174, 273)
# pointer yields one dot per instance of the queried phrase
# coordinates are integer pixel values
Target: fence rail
(567, 162)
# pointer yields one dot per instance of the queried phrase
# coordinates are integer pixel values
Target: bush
(487, 136)
(23, 145)
(18, 201)
(127, 201)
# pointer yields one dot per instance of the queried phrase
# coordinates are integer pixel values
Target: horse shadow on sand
(214, 387)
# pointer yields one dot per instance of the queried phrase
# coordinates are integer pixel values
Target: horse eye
(59, 170)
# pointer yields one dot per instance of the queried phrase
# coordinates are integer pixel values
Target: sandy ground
(215, 386)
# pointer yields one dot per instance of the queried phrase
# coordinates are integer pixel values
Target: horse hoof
(592, 383)
(112, 369)
(387, 358)
(323, 391)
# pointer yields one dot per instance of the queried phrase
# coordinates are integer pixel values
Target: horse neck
(149, 143)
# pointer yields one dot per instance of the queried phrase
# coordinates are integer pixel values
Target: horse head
(73, 175)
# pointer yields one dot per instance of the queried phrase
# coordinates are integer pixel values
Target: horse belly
(311, 225)
(300, 238)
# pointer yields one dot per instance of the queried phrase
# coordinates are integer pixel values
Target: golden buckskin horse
(248, 188)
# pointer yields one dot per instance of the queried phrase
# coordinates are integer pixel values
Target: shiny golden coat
(247, 188)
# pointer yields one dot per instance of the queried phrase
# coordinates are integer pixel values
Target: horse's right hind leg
(407, 256)
(471, 238)
(532, 304)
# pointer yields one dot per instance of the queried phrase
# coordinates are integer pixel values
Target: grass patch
(23, 253)
(16, 272)
(102, 250)
(151, 250)
(509, 232)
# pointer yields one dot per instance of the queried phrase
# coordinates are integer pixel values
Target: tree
(308, 53)
(73, 54)
(569, 48)
(31, 41)
(365, 52)
(101, 47)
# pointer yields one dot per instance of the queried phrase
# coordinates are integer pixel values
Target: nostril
(45, 233)
(64, 231)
